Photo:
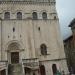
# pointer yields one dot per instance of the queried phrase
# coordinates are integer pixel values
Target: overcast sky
(66, 12)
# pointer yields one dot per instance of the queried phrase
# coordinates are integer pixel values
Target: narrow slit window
(13, 29)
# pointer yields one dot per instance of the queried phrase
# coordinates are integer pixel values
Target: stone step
(15, 69)
(16, 73)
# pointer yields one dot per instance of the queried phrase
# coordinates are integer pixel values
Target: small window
(13, 29)
(44, 15)
(34, 14)
(7, 15)
(43, 48)
(55, 17)
(19, 15)
(39, 28)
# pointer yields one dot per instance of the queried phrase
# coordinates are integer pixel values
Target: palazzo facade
(30, 39)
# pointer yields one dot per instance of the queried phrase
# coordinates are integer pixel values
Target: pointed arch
(20, 44)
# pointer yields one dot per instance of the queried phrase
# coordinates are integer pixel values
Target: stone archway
(13, 53)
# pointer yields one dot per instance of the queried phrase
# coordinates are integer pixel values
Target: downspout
(1, 39)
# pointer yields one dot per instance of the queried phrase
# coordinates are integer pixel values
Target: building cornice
(47, 2)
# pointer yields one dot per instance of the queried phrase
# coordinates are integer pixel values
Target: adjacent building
(69, 44)
(30, 39)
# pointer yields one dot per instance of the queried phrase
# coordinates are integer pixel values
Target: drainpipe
(1, 38)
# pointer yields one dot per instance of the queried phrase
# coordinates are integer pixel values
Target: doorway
(42, 70)
(14, 57)
(54, 68)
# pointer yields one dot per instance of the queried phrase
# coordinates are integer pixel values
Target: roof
(70, 37)
(72, 23)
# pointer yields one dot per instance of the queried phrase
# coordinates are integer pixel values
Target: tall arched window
(43, 48)
(42, 70)
(34, 14)
(7, 15)
(44, 15)
(54, 68)
(19, 15)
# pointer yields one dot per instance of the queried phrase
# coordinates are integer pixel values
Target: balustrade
(3, 65)
(31, 62)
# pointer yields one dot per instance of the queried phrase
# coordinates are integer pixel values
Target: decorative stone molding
(47, 2)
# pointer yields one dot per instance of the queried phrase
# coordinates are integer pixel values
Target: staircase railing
(3, 65)
(32, 63)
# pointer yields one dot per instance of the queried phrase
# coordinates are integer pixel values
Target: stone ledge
(47, 2)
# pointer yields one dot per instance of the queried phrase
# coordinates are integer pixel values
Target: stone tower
(30, 40)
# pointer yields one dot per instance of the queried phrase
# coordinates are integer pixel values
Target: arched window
(34, 14)
(19, 15)
(7, 15)
(42, 70)
(44, 15)
(43, 48)
(54, 68)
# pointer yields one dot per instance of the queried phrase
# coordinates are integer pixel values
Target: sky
(66, 13)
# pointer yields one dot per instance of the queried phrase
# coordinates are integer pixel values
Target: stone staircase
(15, 69)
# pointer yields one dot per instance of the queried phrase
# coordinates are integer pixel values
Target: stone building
(30, 40)
(69, 44)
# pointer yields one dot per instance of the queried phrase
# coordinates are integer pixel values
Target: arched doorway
(54, 68)
(13, 53)
(42, 70)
